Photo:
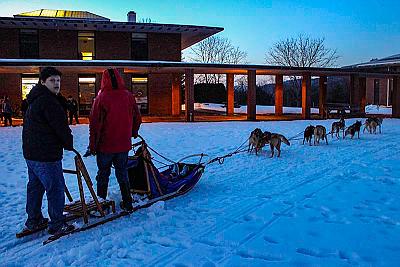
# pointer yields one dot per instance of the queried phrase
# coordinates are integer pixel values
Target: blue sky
(359, 30)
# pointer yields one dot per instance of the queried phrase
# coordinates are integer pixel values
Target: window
(28, 82)
(139, 46)
(28, 43)
(86, 45)
(376, 92)
(139, 90)
(87, 93)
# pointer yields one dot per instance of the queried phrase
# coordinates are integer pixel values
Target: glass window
(139, 89)
(28, 43)
(87, 93)
(28, 82)
(86, 45)
(139, 46)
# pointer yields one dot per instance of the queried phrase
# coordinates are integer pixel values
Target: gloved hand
(89, 153)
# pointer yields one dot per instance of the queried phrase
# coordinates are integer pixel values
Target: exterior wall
(160, 94)
(9, 43)
(69, 85)
(383, 83)
(113, 45)
(63, 44)
(10, 85)
(166, 47)
(55, 44)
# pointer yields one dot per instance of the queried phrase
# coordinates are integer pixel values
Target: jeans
(45, 176)
(104, 162)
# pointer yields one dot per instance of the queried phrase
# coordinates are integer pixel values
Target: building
(379, 91)
(78, 35)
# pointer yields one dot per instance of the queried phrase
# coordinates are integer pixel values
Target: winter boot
(65, 228)
(102, 190)
(126, 203)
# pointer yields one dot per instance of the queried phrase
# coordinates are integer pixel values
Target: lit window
(86, 45)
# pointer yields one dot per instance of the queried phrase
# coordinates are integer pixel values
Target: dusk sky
(359, 30)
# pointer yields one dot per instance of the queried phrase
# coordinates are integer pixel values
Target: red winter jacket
(114, 117)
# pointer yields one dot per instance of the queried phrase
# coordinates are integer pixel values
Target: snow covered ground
(326, 205)
(370, 109)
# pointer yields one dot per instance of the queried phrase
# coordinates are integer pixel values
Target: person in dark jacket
(7, 111)
(72, 109)
(114, 119)
(44, 136)
(24, 107)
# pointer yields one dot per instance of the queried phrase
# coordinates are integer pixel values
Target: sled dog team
(258, 139)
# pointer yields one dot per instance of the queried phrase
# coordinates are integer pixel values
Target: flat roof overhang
(162, 67)
(190, 34)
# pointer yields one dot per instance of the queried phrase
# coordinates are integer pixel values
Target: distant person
(24, 107)
(44, 136)
(114, 119)
(1, 109)
(7, 112)
(72, 109)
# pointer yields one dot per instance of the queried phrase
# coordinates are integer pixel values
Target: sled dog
(256, 140)
(337, 126)
(370, 122)
(353, 129)
(320, 133)
(308, 133)
(275, 141)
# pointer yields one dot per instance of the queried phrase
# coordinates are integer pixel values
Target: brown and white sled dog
(353, 129)
(372, 123)
(256, 140)
(275, 141)
(308, 133)
(337, 126)
(320, 133)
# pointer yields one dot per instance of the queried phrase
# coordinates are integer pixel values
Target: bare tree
(302, 51)
(215, 49)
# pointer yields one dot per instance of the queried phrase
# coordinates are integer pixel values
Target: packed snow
(325, 205)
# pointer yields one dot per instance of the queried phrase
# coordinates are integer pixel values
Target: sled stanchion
(89, 184)
(68, 193)
(81, 193)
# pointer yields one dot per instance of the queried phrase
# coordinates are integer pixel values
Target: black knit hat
(47, 72)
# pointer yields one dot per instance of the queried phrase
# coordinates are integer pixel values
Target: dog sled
(148, 186)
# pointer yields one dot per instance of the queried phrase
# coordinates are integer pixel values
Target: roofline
(180, 67)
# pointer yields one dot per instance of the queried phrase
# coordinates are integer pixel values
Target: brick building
(77, 35)
(379, 91)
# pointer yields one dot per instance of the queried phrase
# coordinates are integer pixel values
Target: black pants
(73, 115)
(7, 118)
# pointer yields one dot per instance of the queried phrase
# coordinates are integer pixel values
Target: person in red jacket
(114, 119)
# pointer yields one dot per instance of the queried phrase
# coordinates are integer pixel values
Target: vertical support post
(176, 95)
(251, 95)
(354, 89)
(81, 192)
(322, 96)
(279, 94)
(396, 98)
(189, 95)
(306, 96)
(230, 94)
(362, 94)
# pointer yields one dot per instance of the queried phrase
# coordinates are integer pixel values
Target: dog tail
(284, 140)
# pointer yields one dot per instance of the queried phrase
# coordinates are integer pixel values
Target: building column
(176, 94)
(322, 95)
(354, 89)
(189, 95)
(251, 95)
(306, 96)
(362, 93)
(279, 94)
(230, 94)
(396, 98)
